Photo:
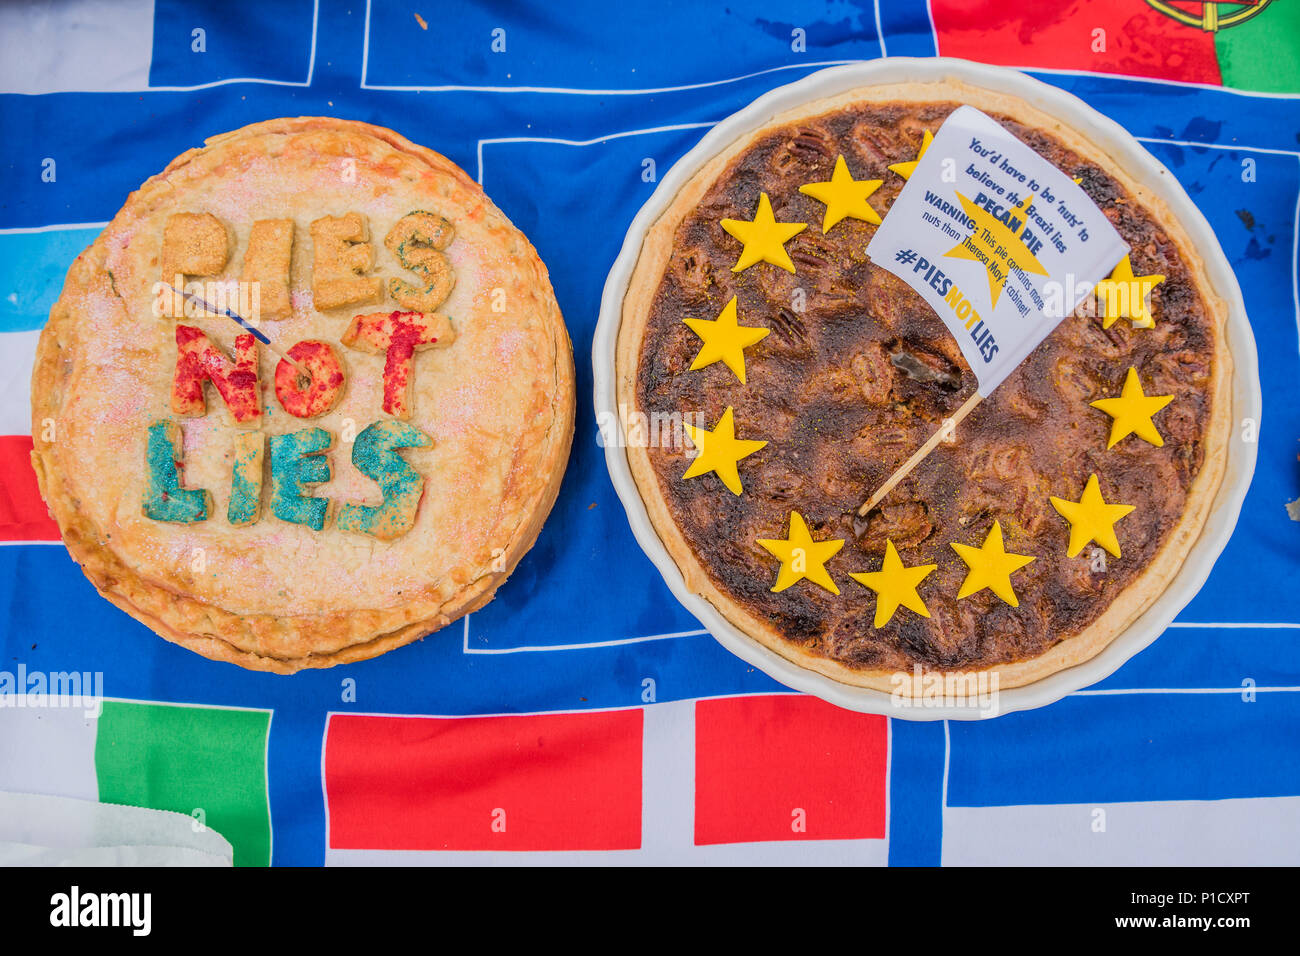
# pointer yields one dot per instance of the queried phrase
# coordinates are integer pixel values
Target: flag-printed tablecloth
(584, 715)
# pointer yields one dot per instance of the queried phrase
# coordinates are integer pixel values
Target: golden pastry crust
(639, 302)
(498, 404)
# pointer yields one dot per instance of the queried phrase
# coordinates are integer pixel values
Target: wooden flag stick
(247, 326)
(949, 424)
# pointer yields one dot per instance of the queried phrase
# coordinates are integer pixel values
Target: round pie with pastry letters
(307, 398)
(803, 375)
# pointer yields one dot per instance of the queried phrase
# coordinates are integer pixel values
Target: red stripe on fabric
(23, 515)
(1138, 41)
(788, 768)
(542, 782)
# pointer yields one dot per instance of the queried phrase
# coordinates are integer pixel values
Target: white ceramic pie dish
(1138, 163)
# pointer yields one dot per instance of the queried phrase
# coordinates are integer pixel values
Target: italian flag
(1247, 45)
(206, 762)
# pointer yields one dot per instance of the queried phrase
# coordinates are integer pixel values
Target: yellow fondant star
(1008, 234)
(991, 566)
(725, 340)
(844, 196)
(719, 450)
(1091, 519)
(895, 585)
(1125, 296)
(802, 557)
(1132, 412)
(764, 237)
(906, 169)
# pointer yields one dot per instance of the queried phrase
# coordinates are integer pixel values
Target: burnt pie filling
(846, 389)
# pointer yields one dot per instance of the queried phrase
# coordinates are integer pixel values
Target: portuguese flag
(206, 762)
(1247, 44)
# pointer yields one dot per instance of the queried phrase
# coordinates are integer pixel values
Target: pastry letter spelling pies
(1025, 544)
(288, 514)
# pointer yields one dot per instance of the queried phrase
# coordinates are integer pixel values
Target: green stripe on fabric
(1262, 53)
(168, 757)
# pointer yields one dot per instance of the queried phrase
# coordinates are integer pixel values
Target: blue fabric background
(610, 86)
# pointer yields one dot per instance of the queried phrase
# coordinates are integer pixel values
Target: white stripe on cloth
(69, 46)
(48, 749)
(1252, 831)
(17, 353)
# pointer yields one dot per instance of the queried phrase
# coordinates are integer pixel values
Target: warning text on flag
(1001, 243)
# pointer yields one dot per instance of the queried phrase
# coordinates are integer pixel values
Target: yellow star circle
(764, 238)
(991, 566)
(844, 196)
(1125, 296)
(1003, 236)
(725, 340)
(1091, 519)
(895, 585)
(802, 557)
(1132, 412)
(906, 169)
(719, 451)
